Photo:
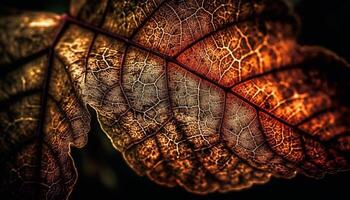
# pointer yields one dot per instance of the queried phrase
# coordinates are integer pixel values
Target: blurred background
(103, 173)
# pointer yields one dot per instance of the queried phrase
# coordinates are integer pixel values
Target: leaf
(211, 96)
(40, 115)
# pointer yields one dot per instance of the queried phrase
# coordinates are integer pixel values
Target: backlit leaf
(208, 95)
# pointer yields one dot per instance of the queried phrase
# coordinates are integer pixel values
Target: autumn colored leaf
(208, 95)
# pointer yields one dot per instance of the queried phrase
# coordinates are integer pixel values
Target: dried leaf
(211, 96)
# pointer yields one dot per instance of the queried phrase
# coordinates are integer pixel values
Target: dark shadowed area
(104, 174)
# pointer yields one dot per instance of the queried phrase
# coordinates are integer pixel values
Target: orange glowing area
(43, 23)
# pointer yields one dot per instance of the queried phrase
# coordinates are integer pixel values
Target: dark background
(103, 173)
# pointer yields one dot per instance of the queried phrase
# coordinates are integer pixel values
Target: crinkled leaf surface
(40, 114)
(208, 95)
